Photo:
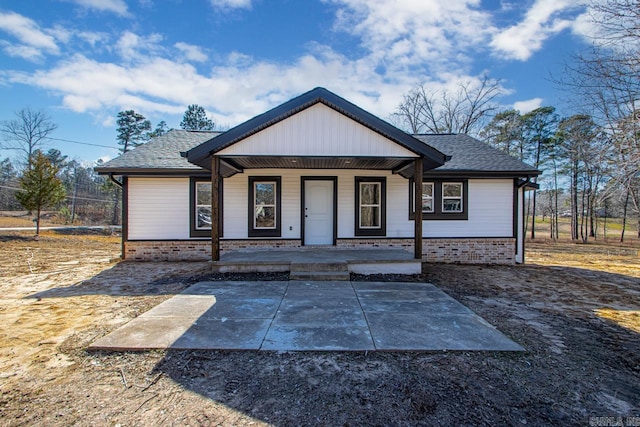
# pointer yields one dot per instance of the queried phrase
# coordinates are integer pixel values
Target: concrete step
(320, 275)
(319, 266)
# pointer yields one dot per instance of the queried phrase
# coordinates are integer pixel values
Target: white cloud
(21, 51)
(231, 4)
(191, 52)
(32, 41)
(411, 33)
(415, 41)
(528, 105)
(119, 7)
(92, 38)
(131, 46)
(544, 19)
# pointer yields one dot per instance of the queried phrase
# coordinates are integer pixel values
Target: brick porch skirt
(463, 251)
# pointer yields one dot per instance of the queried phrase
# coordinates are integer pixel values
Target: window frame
(254, 231)
(380, 230)
(438, 212)
(432, 184)
(194, 230)
(460, 198)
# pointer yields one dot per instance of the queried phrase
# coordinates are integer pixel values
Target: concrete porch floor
(361, 261)
(309, 316)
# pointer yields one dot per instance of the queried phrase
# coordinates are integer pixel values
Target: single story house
(321, 171)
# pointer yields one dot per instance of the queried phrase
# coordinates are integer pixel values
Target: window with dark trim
(264, 206)
(442, 199)
(200, 207)
(371, 200)
(452, 197)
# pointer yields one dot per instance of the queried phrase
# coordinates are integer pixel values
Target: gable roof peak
(201, 153)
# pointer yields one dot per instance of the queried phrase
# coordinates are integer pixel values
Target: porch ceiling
(236, 164)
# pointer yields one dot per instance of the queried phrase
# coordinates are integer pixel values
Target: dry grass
(575, 308)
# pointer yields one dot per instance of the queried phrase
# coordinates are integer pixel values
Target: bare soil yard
(575, 308)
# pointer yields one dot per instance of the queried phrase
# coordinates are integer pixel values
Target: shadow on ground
(595, 374)
(149, 279)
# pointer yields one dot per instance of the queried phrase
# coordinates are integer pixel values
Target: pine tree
(195, 118)
(40, 187)
(132, 128)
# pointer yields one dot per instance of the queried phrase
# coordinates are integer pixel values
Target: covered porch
(315, 165)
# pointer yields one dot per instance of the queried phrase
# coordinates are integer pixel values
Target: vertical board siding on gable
(316, 131)
(158, 208)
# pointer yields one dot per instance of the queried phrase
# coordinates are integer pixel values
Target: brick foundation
(180, 250)
(470, 251)
(463, 251)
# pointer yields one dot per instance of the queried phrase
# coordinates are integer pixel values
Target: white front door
(318, 212)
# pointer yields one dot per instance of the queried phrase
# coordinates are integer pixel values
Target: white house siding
(158, 208)
(236, 201)
(490, 212)
(490, 206)
(316, 131)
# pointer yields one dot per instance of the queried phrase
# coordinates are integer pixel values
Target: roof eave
(199, 154)
(482, 173)
(149, 171)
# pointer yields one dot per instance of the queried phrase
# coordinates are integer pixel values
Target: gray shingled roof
(468, 155)
(161, 153)
(471, 155)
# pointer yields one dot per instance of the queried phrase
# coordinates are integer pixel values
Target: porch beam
(231, 165)
(401, 167)
(215, 205)
(417, 199)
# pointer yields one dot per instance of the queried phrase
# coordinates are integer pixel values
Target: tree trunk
(526, 222)
(116, 203)
(533, 216)
(606, 215)
(624, 216)
(574, 202)
(555, 200)
(581, 215)
(75, 195)
(38, 222)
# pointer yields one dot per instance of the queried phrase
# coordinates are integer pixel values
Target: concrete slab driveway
(309, 316)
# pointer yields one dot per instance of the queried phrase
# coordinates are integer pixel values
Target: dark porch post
(417, 198)
(215, 205)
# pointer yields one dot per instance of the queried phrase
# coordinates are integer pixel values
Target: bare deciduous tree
(604, 81)
(27, 132)
(464, 110)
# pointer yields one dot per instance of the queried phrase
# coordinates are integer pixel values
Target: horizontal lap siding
(158, 208)
(317, 131)
(490, 212)
(236, 203)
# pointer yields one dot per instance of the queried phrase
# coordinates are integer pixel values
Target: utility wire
(83, 143)
(67, 197)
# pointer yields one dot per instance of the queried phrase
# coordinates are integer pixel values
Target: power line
(66, 197)
(83, 143)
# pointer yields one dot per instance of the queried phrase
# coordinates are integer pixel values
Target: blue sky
(82, 61)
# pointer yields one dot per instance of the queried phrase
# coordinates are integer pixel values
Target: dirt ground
(575, 308)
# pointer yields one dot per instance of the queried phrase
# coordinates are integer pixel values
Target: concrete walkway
(309, 316)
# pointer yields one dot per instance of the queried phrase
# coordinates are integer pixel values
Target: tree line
(38, 180)
(590, 158)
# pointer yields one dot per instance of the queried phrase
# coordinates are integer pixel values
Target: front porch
(335, 262)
